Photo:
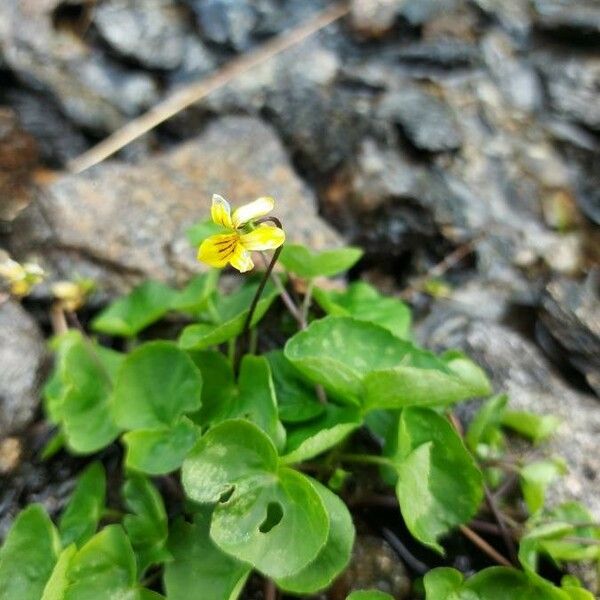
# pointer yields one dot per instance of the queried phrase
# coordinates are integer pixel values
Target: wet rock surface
(120, 223)
(22, 359)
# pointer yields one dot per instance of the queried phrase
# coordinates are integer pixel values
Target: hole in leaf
(274, 515)
(227, 494)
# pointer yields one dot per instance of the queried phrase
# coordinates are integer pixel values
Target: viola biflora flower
(21, 278)
(240, 235)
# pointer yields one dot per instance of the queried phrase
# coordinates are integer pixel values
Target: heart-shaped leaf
(307, 440)
(199, 564)
(28, 556)
(161, 450)
(147, 525)
(218, 389)
(262, 506)
(362, 301)
(433, 497)
(338, 352)
(128, 315)
(88, 373)
(333, 557)
(156, 385)
(423, 379)
(296, 398)
(256, 399)
(57, 584)
(80, 519)
(308, 264)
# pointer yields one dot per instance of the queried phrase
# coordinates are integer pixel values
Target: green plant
(237, 432)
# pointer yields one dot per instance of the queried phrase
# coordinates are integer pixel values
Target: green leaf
(422, 379)
(55, 387)
(156, 385)
(256, 399)
(308, 264)
(218, 389)
(500, 583)
(28, 556)
(485, 425)
(57, 584)
(296, 398)
(127, 316)
(79, 521)
(261, 506)
(310, 439)
(433, 497)
(443, 583)
(198, 232)
(338, 352)
(199, 564)
(103, 568)
(232, 311)
(147, 526)
(162, 450)
(495, 583)
(88, 373)
(535, 479)
(195, 296)
(333, 557)
(362, 301)
(369, 595)
(536, 428)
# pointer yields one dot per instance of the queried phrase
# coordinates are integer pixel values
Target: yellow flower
(21, 278)
(234, 246)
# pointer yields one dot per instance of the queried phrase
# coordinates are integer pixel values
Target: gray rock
(573, 84)
(151, 33)
(120, 223)
(426, 120)
(579, 20)
(226, 22)
(571, 313)
(374, 18)
(93, 91)
(438, 55)
(57, 138)
(518, 368)
(22, 356)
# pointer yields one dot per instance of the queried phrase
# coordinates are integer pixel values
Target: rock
(22, 357)
(374, 565)
(120, 223)
(573, 85)
(150, 33)
(18, 157)
(576, 20)
(425, 119)
(518, 368)
(92, 90)
(374, 18)
(516, 79)
(57, 139)
(571, 314)
(438, 55)
(226, 22)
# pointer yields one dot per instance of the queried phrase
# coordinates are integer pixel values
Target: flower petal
(220, 211)
(217, 250)
(248, 212)
(241, 259)
(264, 237)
